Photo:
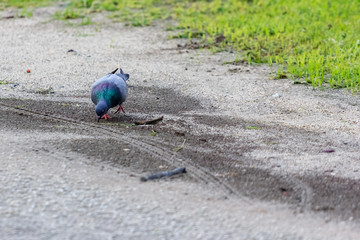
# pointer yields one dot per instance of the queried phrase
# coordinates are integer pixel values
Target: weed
(86, 21)
(69, 13)
(44, 91)
(25, 12)
(254, 128)
(177, 149)
(4, 81)
(80, 34)
(19, 106)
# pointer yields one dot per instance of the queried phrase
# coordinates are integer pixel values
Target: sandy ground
(63, 176)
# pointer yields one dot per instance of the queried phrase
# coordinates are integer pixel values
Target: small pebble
(276, 95)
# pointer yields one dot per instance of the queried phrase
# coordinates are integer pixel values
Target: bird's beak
(99, 117)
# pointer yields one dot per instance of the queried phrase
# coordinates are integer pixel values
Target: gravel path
(51, 195)
(58, 193)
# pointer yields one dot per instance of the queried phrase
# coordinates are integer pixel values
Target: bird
(108, 92)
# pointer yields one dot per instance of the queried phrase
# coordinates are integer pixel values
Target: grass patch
(24, 3)
(311, 41)
(69, 13)
(86, 21)
(135, 13)
(23, 8)
(318, 41)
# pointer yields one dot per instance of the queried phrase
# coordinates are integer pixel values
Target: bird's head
(101, 109)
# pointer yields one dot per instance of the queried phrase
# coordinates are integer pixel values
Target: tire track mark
(193, 169)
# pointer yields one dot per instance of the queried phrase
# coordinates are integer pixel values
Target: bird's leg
(106, 116)
(120, 108)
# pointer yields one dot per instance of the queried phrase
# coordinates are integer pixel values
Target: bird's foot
(106, 116)
(120, 109)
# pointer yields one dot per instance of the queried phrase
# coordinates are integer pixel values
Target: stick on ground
(164, 174)
(149, 122)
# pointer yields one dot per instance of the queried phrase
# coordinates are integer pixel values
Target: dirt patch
(160, 100)
(335, 195)
(224, 157)
(192, 45)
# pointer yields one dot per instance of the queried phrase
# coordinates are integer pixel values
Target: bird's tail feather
(113, 72)
(125, 76)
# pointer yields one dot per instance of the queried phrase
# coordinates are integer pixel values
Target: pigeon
(108, 92)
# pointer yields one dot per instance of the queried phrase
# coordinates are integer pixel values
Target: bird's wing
(121, 85)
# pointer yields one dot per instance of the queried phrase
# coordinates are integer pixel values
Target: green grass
(69, 13)
(4, 81)
(133, 12)
(23, 8)
(24, 3)
(253, 128)
(315, 42)
(311, 41)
